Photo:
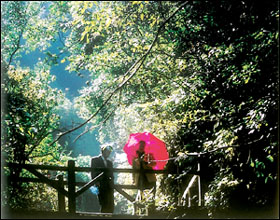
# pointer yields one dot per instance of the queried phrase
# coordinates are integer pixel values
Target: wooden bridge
(72, 192)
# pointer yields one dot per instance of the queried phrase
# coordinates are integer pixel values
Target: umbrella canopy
(153, 146)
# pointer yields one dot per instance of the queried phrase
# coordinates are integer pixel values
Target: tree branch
(42, 155)
(16, 49)
(140, 60)
(43, 136)
(93, 127)
(219, 148)
(20, 35)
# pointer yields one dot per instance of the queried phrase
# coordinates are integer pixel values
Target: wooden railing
(71, 182)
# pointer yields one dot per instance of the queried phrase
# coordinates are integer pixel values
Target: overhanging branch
(139, 62)
(87, 130)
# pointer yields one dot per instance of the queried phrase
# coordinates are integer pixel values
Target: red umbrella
(153, 146)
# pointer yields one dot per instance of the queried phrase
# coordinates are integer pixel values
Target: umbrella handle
(147, 157)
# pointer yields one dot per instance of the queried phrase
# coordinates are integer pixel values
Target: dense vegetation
(202, 76)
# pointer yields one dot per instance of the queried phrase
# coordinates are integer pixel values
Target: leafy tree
(196, 90)
(228, 64)
(200, 76)
(30, 105)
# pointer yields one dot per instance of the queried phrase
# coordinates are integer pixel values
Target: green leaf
(265, 181)
(269, 157)
(83, 35)
(252, 164)
(108, 22)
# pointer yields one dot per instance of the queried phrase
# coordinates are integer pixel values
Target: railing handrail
(38, 166)
(90, 169)
(71, 193)
(64, 182)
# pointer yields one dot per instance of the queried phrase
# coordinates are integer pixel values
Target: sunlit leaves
(14, 19)
(31, 103)
(217, 197)
(208, 83)
(269, 157)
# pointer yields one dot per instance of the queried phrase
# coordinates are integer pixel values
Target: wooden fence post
(198, 181)
(71, 186)
(61, 197)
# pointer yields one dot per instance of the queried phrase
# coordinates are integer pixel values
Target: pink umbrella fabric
(154, 146)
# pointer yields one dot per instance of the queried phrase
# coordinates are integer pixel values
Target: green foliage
(29, 121)
(30, 105)
(197, 90)
(220, 191)
(232, 112)
(30, 113)
(209, 82)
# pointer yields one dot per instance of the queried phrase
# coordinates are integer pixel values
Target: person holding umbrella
(145, 151)
(152, 146)
(144, 161)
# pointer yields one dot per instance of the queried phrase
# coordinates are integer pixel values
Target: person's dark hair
(106, 147)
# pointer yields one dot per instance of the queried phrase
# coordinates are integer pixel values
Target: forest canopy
(201, 76)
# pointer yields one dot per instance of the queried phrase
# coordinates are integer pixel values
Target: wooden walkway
(22, 214)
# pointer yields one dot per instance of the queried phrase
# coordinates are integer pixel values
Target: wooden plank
(35, 166)
(199, 191)
(129, 197)
(89, 169)
(88, 185)
(121, 170)
(37, 180)
(52, 183)
(61, 197)
(187, 191)
(95, 214)
(199, 184)
(30, 180)
(71, 187)
(126, 186)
